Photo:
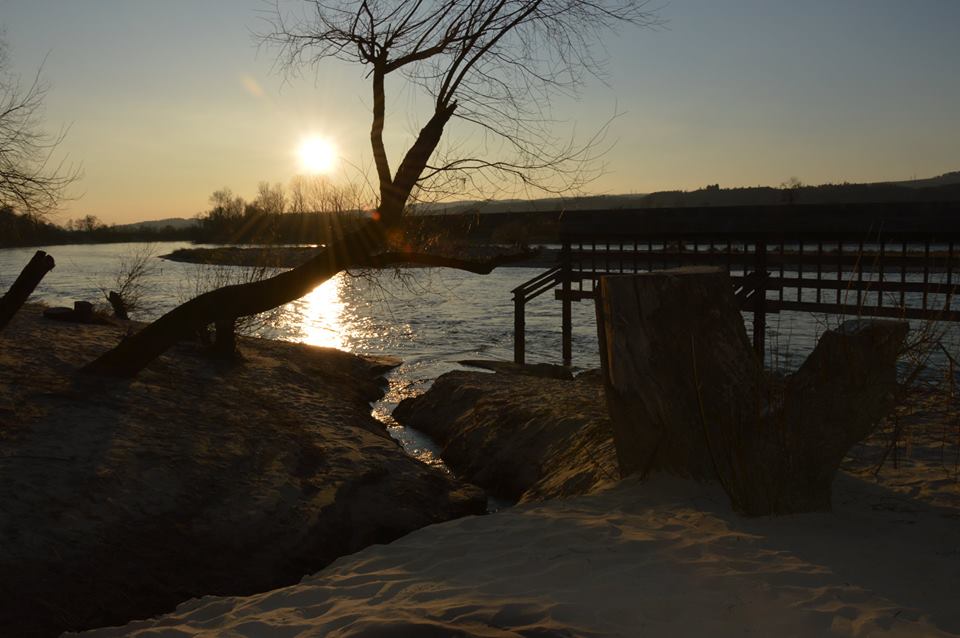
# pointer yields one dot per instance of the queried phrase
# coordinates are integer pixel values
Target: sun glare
(317, 155)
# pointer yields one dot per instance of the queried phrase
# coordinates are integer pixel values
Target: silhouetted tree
(790, 190)
(492, 64)
(263, 213)
(224, 219)
(29, 179)
(89, 224)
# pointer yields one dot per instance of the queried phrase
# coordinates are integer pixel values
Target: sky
(166, 102)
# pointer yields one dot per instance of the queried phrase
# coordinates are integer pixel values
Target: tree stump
(23, 287)
(119, 305)
(83, 312)
(688, 396)
(225, 339)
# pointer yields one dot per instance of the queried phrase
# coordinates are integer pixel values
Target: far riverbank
(293, 256)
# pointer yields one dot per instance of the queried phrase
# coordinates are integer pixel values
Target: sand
(523, 438)
(120, 499)
(665, 557)
(662, 558)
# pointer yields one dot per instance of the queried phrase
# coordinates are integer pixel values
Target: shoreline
(293, 256)
(284, 257)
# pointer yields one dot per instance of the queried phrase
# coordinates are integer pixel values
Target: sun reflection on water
(321, 315)
(347, 313)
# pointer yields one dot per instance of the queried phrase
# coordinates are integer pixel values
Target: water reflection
(337, 314)
(320, 315)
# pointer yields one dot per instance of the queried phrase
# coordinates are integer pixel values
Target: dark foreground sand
(663, 558)
(121, 499)
(666, 557)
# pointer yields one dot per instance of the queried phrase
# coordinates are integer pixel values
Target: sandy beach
(123, 499)
(663, 558)
(120, 499)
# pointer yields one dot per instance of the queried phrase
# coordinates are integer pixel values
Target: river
(430, 318)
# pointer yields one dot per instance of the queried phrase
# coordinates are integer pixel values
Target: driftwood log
(366, 247)
(82, 312)
(23, 287)
(688, 396)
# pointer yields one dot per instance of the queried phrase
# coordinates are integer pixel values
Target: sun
(317, 155)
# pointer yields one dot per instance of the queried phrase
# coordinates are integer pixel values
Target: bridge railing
(874, 261)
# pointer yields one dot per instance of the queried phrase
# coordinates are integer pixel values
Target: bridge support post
(760, 299)
(567, 310)
(519, 328)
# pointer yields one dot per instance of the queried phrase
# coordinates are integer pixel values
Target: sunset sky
(168, 101)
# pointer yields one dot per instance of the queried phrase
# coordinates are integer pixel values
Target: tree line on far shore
(309, 210)
(23, 229)
(313, 210)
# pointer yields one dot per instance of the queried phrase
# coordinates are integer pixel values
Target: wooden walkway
(874, 260)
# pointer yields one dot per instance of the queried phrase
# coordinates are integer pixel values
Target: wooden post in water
(566, 313)
(23, 287)
(760, 298)
(519, 327)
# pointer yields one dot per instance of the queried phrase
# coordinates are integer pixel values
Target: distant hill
(945, 188)
(947, 179)
(823, 194)
(587, 202)
(177, 223)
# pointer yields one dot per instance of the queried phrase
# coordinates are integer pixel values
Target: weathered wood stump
(23, 287)
(119, 305)
(225, 339)
(688, 396)
(82, 312)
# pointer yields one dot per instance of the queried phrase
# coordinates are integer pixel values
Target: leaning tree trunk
(23, 287)
(137, 351)
(363, 248)
(687, 395)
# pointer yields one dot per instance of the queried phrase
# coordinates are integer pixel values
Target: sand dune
(662, 558)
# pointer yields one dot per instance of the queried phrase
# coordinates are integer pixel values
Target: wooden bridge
(875, 260)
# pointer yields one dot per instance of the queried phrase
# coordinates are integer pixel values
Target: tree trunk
(135, 352)
(362, 248)
(225, 339)
(687, 395)
(672, 343)
(118, 305)
(23, 287)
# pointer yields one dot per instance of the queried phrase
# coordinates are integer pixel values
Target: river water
(429, 318)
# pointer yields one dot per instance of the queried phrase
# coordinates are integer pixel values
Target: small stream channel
(415, 443)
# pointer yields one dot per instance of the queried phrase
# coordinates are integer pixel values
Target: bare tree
(271, 200)
(494, 66)
(125, 290)
(317, 194)
(30, 180)
(491, 64)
